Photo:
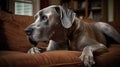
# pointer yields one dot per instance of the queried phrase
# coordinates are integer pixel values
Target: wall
(110, 10)
(36, 6)
(54, 2)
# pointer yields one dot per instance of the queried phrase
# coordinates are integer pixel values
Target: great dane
(63, 30)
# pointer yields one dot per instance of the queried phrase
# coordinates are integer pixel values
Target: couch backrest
(12, 35)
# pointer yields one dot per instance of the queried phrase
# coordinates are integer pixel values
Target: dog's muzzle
(29, 32)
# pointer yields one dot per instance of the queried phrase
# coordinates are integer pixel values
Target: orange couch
(14, 45)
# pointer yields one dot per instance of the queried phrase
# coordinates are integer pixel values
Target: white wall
(110, 10)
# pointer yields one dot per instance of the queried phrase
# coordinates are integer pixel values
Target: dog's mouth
(32, 41)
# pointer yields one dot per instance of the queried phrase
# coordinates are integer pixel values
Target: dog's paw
(34, 50)
(87, 58)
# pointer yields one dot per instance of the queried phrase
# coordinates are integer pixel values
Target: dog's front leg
(52, 45)
(87, 54)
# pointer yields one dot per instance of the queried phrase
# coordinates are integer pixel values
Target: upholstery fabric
(58, 58)
(53, 58)
(12, 32)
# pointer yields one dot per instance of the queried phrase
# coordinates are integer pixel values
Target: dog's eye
(44, 20)
(44, 17)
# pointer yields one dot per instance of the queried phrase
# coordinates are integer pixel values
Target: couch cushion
(58, 58)
(110, 58)
(52, 58)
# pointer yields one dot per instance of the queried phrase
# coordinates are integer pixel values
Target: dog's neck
(76, 28)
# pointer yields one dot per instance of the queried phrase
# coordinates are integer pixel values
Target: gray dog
(63, 30)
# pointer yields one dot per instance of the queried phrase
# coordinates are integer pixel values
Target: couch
(14, 45)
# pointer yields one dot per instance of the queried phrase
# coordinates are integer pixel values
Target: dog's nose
(28, 31)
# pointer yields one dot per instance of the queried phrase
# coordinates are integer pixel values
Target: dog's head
(50, 23)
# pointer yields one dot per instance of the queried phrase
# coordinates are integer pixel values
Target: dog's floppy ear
(67, 16)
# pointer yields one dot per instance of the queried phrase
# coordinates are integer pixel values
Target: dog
(60, 27)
